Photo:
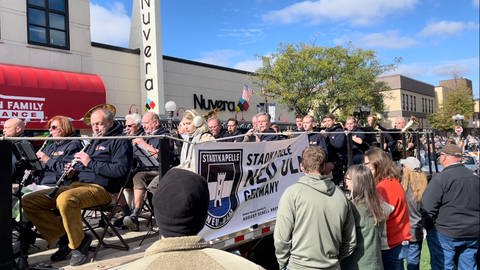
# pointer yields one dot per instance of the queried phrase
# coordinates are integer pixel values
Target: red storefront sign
(35, 95)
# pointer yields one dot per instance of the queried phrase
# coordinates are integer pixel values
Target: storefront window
(48, 23)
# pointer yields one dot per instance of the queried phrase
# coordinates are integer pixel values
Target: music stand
(25, 154)
(145, 158)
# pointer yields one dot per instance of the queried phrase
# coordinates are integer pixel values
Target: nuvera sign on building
(146, 35)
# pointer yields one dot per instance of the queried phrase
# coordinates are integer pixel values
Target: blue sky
(436, 39)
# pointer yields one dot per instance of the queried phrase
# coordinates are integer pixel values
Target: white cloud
(440, 71)
(364, 12)
(219, 57)
(462, 67)
(446, 28)
(110, 25)
(240, 33)
(249, 65)
(243, 35)
(411, 70)
(476, 3)
(389, 39)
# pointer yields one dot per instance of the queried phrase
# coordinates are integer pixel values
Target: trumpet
(412, 123)
(65, 173)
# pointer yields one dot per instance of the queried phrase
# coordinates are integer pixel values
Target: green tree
(459, 101)
(323, 79)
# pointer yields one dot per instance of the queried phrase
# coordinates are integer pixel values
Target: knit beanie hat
(181, 203)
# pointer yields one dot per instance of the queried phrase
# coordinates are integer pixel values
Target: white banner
(246, 181)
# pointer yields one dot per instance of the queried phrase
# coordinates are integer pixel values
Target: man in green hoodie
(315, 228)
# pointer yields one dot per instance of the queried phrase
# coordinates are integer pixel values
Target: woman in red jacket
(397, 233)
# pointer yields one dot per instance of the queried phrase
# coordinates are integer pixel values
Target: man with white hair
(133, 124)
(141, 179)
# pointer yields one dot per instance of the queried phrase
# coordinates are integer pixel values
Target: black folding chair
(107, 212)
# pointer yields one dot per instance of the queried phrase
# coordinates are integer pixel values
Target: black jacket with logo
(110, 161)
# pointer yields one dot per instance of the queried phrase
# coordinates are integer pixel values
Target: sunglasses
(52, 127)
(129, 126)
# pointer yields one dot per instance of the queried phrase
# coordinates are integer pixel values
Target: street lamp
(170, 108)
(458, 118)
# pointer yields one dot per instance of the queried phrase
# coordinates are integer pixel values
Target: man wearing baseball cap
(451, 211)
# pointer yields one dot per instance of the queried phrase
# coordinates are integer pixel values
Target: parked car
(469, 162)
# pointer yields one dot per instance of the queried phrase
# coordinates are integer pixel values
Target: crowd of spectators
(375, 203)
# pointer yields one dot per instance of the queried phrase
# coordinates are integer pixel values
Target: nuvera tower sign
(146, 34)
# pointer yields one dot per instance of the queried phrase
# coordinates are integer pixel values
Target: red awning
(37, 94)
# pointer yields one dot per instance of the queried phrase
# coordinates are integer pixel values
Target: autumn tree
(458, 101)
(323, 79)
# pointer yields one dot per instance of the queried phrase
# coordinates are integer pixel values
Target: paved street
(106, 258)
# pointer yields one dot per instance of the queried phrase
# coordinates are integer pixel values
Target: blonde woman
(196, 130)
(369, 220)
(414, 182)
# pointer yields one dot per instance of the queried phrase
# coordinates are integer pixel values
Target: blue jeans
(413, 256)
(393, 258)
(444, 250)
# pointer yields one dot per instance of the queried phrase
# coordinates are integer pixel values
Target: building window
(406, 103)
(47, 22)
(414, 103)
(423, 105)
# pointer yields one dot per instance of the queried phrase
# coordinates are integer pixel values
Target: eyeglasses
(129, 126)
(52, 127)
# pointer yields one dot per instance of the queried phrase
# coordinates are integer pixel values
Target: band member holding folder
(147, 151)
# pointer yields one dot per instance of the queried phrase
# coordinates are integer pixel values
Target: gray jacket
(315, 227)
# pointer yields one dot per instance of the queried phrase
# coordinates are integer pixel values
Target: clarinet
(44, 144)
(65, 173)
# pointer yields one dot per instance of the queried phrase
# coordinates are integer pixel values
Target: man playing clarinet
(101, 169)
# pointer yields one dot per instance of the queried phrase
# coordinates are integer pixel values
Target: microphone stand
(22, 262)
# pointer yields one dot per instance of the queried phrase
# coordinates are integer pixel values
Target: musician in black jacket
(358, 140)
(262, 126)
(14, 127)
(102, 169)
(397, 145)
(336, 145)
(232, 130)
(58, 153)
(314, 138)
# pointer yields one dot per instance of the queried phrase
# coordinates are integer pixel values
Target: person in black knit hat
(181, 203)
(180, 206)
